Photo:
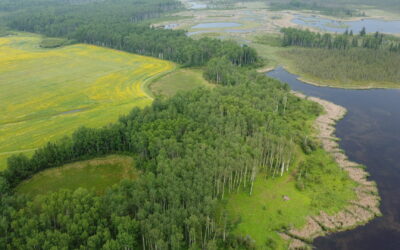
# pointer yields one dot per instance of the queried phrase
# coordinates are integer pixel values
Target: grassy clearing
(270, 54)
(47, 93)
(97, 174)
(180, 80)
(266, 212)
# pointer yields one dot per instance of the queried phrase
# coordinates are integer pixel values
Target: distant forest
(340, 8)
(352, 67)
(309, 39)
(119, 24)
(326, 8)
(345, 58)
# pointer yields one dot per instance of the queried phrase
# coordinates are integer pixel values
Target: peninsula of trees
(343, 60)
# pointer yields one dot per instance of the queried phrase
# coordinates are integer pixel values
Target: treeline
(324, 7)
(165, 44)
(222, 71)
(390, 5)
(128, 10)
(309, 39)
(14, 5)
(348, 67)
(192, 150)
(118, 24)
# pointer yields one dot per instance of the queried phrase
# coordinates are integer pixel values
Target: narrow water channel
(370, 135)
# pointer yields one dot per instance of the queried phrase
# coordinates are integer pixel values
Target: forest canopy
(348, 59)
(310, 39)
(192, 149)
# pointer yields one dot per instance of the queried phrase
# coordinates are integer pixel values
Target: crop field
(96, 174)
(46, 94)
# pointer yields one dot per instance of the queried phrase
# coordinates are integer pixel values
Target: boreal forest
(230, 158)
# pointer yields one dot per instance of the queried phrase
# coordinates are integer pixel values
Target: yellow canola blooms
(46, 94)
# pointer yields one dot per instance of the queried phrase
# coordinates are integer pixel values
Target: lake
(371, 25)
(370, 135)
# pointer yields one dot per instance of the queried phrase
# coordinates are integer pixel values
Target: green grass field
(48, 93)
(266, 212)
(96, 174)
(180, 80)
(270, 54)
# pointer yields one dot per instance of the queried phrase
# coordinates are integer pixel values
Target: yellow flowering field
(48, 93)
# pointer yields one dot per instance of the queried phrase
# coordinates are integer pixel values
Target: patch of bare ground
(294, 243)
(265, 69)
(359, 211)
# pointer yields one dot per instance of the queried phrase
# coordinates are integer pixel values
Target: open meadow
(97, 174)
(179, 81)
(46, 94)
(277, 204)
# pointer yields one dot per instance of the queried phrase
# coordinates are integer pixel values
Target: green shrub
(51, 42)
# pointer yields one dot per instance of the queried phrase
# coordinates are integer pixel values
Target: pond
(171, 26)
(371, 25)
(216, 25)
(370, 135)
(197, 6)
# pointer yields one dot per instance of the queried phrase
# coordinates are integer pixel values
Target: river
(370, 135)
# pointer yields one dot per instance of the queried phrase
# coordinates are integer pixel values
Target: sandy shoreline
(359, 211)
(265, 69)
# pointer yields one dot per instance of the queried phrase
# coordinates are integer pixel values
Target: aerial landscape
(199, 124)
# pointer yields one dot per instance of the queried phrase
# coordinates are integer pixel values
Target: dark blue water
(370, 134)
(371, 25)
